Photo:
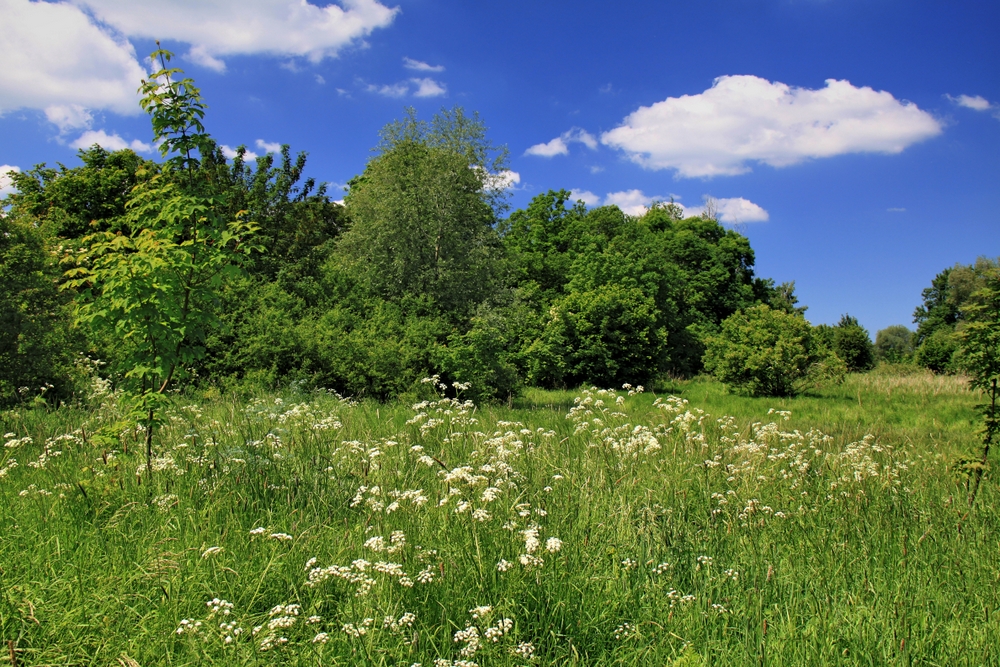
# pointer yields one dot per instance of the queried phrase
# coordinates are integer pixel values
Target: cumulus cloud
(55, 58)
(420, 66)
(743, 119)
(560, 145)
(632, 202)
(730, 209)
(268, 147)
(110, 142)
(636, 202)
(549, 149)
(230, 153)
(244, 27)
(68, 117)
(586, 196)
(428, 88)
(73, 57)
(498, 181)
(6, 184)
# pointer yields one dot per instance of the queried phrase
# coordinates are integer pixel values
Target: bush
(764, 352)
(937, 352)
(853, 345)
(37, 345)
(605, 336)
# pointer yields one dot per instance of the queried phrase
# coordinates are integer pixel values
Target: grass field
(582, 528)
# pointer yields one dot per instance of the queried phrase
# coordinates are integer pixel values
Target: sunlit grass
(306, 530)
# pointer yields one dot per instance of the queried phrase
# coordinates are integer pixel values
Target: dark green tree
(853, 345)
(37, 346)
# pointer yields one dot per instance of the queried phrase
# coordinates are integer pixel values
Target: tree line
(239, 274)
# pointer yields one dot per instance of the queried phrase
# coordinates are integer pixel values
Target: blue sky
(856, 142)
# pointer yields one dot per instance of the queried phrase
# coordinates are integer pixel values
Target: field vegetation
(689, 527)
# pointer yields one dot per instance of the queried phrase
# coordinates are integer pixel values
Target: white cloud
(730, 209)
(109, 142)
(636, 202)
(978, 103)
(549, 149)
(896, 209)
(560, 145)
(272, 147)
(428, 88)
(55, 58)
(230, 153)
(498, 181)
(632, 202)
(741, 119)
(420, 66)
(6, 184)
(199, 55)
(586, 196)
(68, 116)
(395, 90)
(320, 80)
(244, 27)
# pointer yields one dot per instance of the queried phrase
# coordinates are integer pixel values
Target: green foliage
(853, 345)
(894, 344)
(100, 569)
(693, 272)
(37, 347)
(937, 351)
(606, 336)
(154, 288)
(423, 220)
(979, 354)
(762, 352)
(71, 203)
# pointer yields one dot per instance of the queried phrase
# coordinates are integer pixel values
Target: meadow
(686, 527)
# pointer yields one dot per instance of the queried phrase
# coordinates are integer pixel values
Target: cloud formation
(245, 27)
(54, 58)
(70, 58)
(268, 147)
(420, 66)
(560, 145)
(744, 119)
(636, 202)
(6, 184)
(428, 88)
(109, 142)
(976, 103)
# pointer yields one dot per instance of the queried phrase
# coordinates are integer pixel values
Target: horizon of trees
(421, 271)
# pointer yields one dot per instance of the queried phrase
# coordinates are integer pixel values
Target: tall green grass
(600, 528)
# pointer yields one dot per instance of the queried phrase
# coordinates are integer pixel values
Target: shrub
(853, 345)
(37, 346)
(763, 352)
(605, 336)
(937, 352)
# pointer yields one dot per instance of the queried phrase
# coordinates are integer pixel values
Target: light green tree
(154, 286)
(979, 355)
(424, 212)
